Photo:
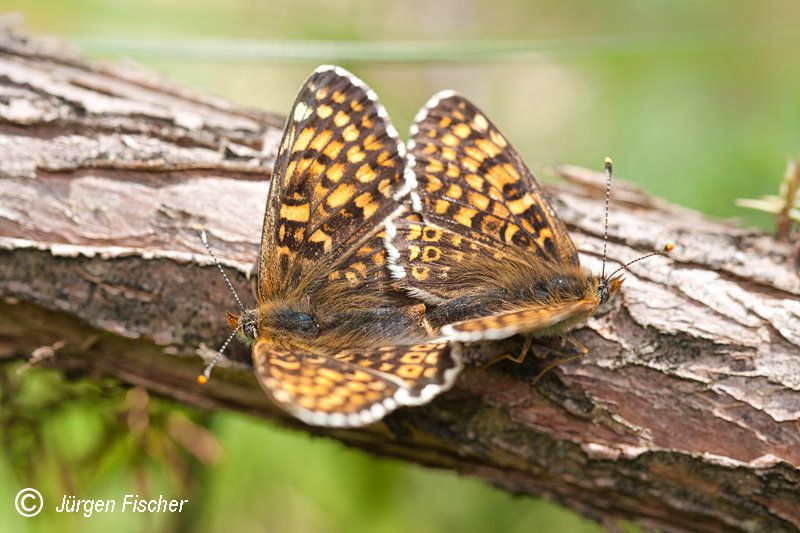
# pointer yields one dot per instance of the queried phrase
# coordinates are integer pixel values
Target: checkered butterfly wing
(477, 203)
(354, 387)
(338, 175)
(477, 184)
(337, 170)
(435, 263)
(506, 324)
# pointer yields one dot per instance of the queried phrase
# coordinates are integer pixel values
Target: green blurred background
(696, 101)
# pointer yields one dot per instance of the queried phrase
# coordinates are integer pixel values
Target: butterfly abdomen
(465, 307)
(563, 327)
(376, 326)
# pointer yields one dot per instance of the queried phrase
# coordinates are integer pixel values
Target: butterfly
(480, 241)
(333, 343)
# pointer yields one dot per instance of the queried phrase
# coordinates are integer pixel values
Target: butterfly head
(246, 324)
(607, 288)
(273, 321)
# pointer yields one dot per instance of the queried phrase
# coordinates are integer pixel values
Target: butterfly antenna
(608, 165)
(663, 252)
(203, 378)
(203, 238)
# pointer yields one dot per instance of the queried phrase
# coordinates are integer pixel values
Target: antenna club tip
(202, 379)
(608, 162)
(669, 247)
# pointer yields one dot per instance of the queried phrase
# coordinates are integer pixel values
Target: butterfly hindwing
(361, 271)
(472, 181)
(337, 171)
(353, 387)
(502, 325)
(432, 261)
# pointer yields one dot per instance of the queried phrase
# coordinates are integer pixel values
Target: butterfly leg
(577, 344)
(519, 358)
(582, 350)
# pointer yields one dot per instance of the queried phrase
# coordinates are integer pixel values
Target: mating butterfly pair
(357, 233)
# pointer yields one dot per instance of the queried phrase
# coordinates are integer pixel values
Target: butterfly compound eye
(250, 330)
(603, 292)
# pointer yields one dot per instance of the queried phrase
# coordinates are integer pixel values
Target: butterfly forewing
(471, 180)
(480, 242)
(338, 167)
(353, 387)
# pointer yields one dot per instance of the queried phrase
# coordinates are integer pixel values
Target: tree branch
(684, 415)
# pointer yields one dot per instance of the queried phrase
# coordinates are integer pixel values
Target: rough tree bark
(684, 416)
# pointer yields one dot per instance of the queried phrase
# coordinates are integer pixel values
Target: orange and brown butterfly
(481, 242)
(332, 342)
